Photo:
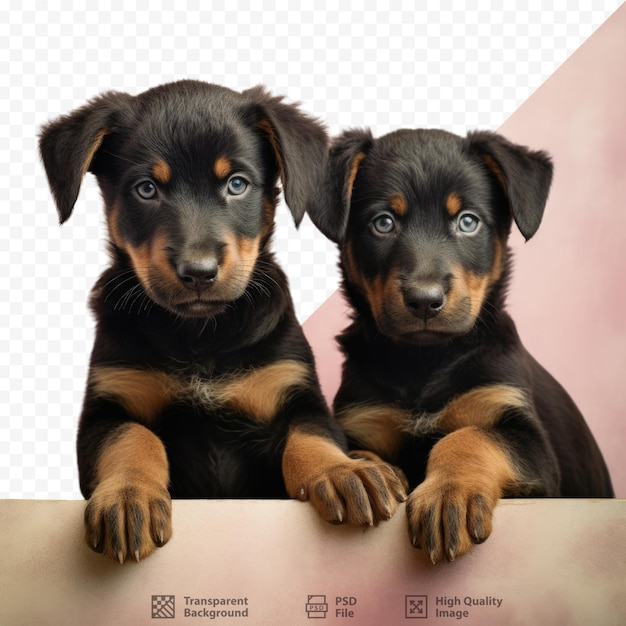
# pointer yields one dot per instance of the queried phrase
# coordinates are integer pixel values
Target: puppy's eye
(384, 224)
(237, 185)
(468, 223)
(146, 190)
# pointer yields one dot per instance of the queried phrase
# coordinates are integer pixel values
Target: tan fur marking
(240, 255)
(378, 428)
(342, 489)
(383, 294)
(160, 264)
(453, 204)
(248, 250)
(161, 171)
(268, 218)
(230, 258)
(267, 127)
(399, 205)
(467, 472)
(308, 455)
(268, 211)
(97, 142)
(140, 257)
(354, 168)
(262, 392)
(495, 168)
(498, 262)
(481, 407)
(475, 461)
(112, 217)
(258, 393)
(129, 512)
(458, 297)
(477, 287)
(150, 262)
(380, 291)
(349, 263)
(133, 452)
(375, 290)
(143, 393)
(222, 167)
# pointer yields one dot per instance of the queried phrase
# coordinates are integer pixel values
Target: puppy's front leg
(343, 490)
(468, 471)
(129, 511)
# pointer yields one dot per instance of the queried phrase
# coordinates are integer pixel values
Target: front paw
(447, 517)
(372, 456)
(361, 492)
(128, 521)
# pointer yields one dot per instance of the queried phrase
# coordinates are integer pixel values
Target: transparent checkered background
(455, 65)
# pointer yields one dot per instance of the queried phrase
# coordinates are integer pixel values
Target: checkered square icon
(163, 607)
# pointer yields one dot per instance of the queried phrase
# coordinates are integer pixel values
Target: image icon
(416, 607)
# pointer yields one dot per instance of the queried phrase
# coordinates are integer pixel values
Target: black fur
(192, 303)
(416, 342)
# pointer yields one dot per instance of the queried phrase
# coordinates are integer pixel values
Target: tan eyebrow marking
(222, 167)
(161, 171)
(453, 204)
(399, 204)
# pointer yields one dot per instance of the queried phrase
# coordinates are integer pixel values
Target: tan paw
(359, 492)
(125, 521)
(372, 456)
(446, 517)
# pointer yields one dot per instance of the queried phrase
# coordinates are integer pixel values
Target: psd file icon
(316, 607)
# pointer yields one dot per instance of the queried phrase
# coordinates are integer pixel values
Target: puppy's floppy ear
(69, 144)
(299, 143)
(332, 203)
(524, 175)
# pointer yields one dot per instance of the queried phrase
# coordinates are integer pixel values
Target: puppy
(201, 383)
(435, 378)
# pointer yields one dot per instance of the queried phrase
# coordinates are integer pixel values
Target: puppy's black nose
(197, 275)
(425, 301)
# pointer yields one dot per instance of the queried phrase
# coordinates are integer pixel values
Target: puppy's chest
(427, 409)
(419, 406)
(407, 405)
(254, 392)
(419, 390)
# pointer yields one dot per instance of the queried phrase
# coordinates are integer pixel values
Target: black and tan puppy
(435, 377)
(201, 383)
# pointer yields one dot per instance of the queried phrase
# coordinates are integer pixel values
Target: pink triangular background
(568, 295)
